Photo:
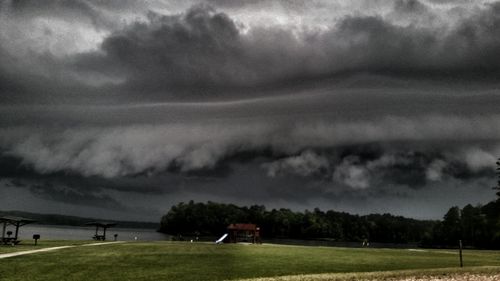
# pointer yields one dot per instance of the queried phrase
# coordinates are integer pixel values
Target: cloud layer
(129, 150)
(291, 103)
(203, 49)
(212, 51)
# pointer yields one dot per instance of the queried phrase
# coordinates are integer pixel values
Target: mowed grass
(204, 261)
(27, 246)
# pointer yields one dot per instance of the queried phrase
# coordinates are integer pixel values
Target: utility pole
(460, 253)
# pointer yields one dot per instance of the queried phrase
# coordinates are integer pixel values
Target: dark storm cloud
(73, 188)
(96, 13)
(410, 7)
(75, 196)
(73, 8)
(24, 174)
(229, 3)
(201, 149)
(202, 49)
(198, 49)
(56, 187)
(286, 5)
(343, 176)
(203, 52)
(289, 102)
(38, 79)
(373, 166)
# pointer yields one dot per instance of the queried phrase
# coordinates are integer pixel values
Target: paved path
(14, 254)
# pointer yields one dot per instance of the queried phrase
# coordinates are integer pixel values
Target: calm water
(59, 232)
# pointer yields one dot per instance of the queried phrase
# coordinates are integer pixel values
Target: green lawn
(26, 246)
(203, 261)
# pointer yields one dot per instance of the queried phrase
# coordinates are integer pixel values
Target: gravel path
(14, 254)
(448, 277)
(453, 277)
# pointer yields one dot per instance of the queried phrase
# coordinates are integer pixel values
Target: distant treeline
(211, 219)
(476, 226)
(53, 219)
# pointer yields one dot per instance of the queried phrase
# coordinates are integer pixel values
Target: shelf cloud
(294, 104)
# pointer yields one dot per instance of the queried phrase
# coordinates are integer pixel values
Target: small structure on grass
(17, 222)
(98, 224)
(36, 237)
(244, 232)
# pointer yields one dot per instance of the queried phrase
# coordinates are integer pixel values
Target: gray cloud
(128, 150)
(282, 102)
(75, 196)
(351, 174)
(67, 10)
(306, 164)
(202, 49)
(205, 53)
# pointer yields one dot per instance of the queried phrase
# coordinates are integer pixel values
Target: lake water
(60, 232)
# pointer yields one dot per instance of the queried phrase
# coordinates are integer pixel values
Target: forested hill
(212, 219)
(53, 219)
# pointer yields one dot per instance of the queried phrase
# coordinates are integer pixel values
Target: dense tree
(477, 227)
(211, 219)
(452, 228)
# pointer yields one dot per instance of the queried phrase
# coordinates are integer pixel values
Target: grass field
(203, 261)
(26, 246)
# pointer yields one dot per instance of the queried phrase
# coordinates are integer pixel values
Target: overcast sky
(119, 109)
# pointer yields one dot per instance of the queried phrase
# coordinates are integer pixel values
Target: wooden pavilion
(16, 222)
(98, 224)
(244, 232)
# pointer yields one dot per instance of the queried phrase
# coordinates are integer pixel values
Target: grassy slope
(200, 261)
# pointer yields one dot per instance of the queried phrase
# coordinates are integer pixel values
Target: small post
(460, 253)
(36, 237)
(3, 229)
(17, 230)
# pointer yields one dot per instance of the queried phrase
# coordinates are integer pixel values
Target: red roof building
(244, 232)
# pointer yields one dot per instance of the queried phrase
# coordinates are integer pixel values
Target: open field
(204, 261)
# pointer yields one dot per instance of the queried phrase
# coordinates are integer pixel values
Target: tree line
(212, 219)
(477, 226)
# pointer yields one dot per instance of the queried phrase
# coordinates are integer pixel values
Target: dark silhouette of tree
(211, 219)
(452, 227)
